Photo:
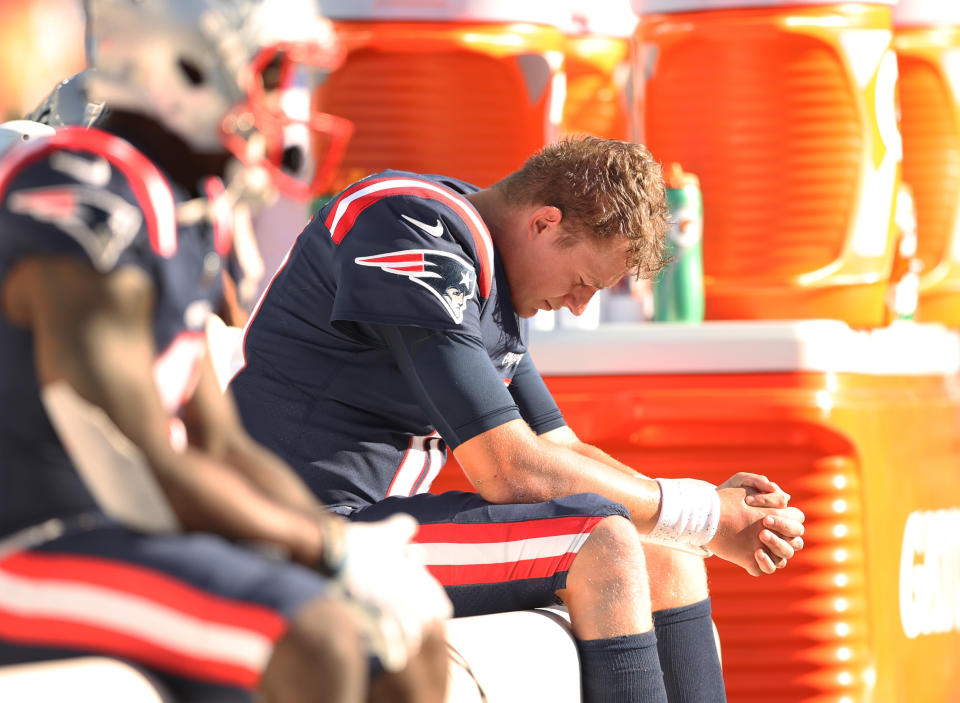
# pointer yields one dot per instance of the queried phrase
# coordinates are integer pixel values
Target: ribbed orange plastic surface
(794, 636)
(428, 98)
(800, 635)
(598, 73)
(931, 154)
(771, 129)
(797, 636)
(827, 629)
(930, 124)
(762, 106)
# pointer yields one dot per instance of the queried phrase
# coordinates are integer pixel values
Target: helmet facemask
(226, 75)
(281, 127)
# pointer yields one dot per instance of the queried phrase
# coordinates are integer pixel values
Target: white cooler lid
(548, 12)
(903, 348)
(648, 7)
(602, 18)
(926, 12)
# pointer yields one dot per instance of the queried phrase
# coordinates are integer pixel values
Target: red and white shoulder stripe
(150, 188)
(352, 202)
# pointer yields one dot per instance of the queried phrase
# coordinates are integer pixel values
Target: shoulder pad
(148, 185)
(348, 206)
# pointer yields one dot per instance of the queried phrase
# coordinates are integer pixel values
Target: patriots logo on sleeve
(450, 279)
(102, 222)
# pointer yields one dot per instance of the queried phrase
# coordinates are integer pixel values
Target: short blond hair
(606, 189)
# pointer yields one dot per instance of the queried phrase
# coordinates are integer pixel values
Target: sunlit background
(806, 125)
(41, 43)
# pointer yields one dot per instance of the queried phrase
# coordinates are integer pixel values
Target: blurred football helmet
(239, 75)
(68, 104)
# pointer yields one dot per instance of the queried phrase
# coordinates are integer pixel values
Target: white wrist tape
(689, 512)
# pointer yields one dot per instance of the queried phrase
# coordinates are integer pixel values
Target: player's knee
(614, 543)
(608, 575)
(329, 633)
(433, 662)
(424, 679)
(434, 654)
(322, 647)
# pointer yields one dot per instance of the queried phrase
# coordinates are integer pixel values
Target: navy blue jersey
(88, 194)
(321, 385)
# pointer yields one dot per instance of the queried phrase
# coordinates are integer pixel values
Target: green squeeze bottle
(678, 288)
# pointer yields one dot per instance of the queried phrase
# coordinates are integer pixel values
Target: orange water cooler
(599, 69)
(786, 112)
(860, 427)
(467, 88)
(927, 44)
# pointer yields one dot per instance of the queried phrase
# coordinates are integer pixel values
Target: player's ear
(544, 219)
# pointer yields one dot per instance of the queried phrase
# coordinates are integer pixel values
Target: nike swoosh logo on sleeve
(433, 230)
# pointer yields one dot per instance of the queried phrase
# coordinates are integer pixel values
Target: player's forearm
(270, 474)
(207, 495)
(597, 454)
(566, 437)
(509, 465)
(597, 472)
(214, 427)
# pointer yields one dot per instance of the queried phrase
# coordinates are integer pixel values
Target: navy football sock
(621, 670)
(688, 654)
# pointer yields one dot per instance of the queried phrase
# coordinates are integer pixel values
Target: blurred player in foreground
(137, 517)
(296, 173)
(396, 329)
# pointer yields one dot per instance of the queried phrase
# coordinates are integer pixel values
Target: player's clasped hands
(758, 530)
(383, 573)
